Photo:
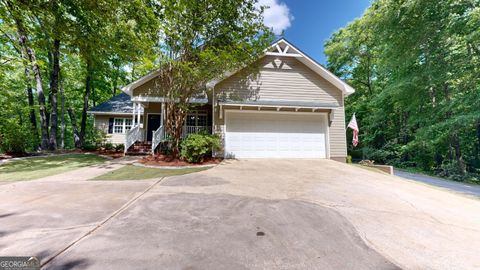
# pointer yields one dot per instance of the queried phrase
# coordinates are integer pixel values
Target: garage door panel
(270, 135)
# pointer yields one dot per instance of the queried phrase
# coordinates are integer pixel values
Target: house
(114, 117)
(292, 107)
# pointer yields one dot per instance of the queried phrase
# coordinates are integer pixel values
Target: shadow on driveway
(222, 231)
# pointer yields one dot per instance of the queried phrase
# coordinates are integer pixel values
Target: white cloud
(276, 15)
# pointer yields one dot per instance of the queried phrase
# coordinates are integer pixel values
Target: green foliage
(202, 40)
(119, 147)
(196, 147)
(14, 138)
(414, 65)
(96, 139)
(109, 146)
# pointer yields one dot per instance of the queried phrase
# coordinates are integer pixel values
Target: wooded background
(415, 65)
(58, 58)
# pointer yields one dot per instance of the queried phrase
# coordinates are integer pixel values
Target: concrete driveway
(258, 214)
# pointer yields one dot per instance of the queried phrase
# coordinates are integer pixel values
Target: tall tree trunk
(22, 38)
(62, 116)
(86, 95)
(458, 153)
(31, 104)
(76, 135)
(54, 81)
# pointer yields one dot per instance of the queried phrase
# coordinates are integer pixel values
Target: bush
(119, 147)
(349, 159)
(89, 147)
(95, 139)
(109, 146)
(196, 147)
(453, 170)
(15, 138)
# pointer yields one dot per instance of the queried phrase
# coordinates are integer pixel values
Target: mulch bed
(163, 160)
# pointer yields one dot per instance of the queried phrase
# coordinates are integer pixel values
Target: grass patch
(34, 168)
(130, 172)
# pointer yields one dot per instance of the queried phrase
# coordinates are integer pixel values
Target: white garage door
(275, 135)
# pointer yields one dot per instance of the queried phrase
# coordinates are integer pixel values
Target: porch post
(163, 115)
(138, 114)
(134, 105)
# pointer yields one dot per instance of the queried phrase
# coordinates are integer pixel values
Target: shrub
(15, 138)
(89, 146)
(95, 139)
(119, 147)
(109, 146)
(453, 170)
(349, 159)
(196, 147)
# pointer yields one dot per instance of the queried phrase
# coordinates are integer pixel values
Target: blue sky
(308, 23)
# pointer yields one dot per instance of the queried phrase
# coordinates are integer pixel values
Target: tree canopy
(59, 57)
(415, 66)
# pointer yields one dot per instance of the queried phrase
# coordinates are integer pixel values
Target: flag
(353, 125)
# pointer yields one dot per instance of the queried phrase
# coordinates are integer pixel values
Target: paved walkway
(468, 189)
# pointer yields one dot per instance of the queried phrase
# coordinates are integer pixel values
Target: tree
(425, 107)
(200, 40)
(16, 15)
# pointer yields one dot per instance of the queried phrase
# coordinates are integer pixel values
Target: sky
(309, 23)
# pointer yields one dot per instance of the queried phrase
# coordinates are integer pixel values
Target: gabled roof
(281, 47)
(119, 104)
(284, 48)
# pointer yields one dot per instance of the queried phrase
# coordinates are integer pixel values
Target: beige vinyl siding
(338, 146)
(284, 78)
(279, 78)
(101, 122)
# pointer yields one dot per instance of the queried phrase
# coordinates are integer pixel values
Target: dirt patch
(163, 160)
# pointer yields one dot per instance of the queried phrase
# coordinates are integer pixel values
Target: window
(197, 118)
(128, 124)
(122, 125)
(118, 125)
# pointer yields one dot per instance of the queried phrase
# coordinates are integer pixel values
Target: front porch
(148, 132)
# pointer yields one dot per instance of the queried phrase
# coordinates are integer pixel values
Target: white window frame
(123, 125)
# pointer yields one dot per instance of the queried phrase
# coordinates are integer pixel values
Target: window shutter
(110, 125)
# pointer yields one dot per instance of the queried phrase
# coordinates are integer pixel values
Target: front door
(153, 123)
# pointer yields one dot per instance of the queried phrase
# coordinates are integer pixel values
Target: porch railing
(195, 129)
(157, 137)
(132, 136)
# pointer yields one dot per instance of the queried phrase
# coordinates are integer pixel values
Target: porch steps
(140, 149)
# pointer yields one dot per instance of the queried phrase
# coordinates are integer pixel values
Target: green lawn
(131, 172)
(34, 168)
